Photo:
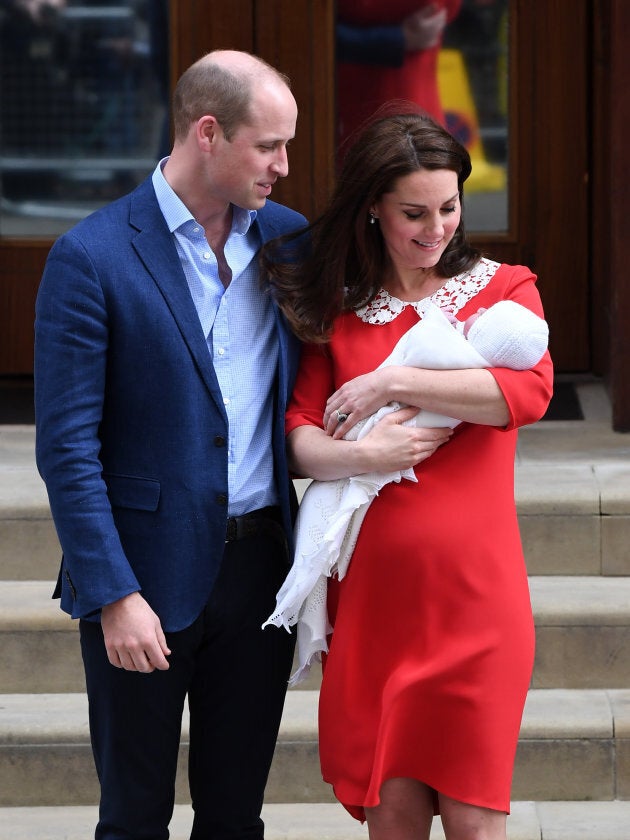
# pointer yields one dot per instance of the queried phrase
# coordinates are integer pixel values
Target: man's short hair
(208, 88)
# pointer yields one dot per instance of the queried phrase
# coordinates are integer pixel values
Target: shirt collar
(177, 214)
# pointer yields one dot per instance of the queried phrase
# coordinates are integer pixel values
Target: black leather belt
(267, 520)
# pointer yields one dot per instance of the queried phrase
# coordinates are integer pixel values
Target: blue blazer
(131, 428)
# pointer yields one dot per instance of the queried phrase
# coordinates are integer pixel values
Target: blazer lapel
(154, 245)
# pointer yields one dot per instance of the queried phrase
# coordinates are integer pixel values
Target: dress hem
(358, 811)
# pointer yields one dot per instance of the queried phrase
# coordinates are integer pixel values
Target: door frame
(611, 203)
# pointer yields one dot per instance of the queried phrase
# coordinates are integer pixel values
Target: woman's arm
(390, 446)
(489, 396)
(469, 395)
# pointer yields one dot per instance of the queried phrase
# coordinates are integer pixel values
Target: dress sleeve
(313, 386)
(527, 392)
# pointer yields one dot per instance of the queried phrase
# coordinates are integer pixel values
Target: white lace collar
(452, 296)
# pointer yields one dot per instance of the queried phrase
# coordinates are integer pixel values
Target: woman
(432, 649)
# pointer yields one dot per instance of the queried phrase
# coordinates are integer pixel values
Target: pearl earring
(372, 219)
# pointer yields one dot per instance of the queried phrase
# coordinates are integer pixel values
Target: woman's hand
(356, 399)
(472, 395)
(390, 445)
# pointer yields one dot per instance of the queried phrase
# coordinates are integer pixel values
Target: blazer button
(219, 440)
(222, 499)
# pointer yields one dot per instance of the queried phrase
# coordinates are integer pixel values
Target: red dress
(433, 644)
(362, 88)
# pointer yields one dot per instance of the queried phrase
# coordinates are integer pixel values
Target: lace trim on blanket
(451, 297)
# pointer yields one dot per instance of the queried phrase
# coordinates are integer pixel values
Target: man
(162, 373)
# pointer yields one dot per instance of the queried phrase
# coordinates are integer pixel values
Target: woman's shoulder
(509, 280)
(491, 282)
(509, 271)
(486, 276)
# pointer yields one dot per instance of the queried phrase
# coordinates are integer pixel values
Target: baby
(506, 335)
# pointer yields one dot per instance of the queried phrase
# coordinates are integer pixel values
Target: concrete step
(582, 632)
(575, 519)
(306, 821)
(40, 644)
(582, 629)
(29, 548)
(574, 745)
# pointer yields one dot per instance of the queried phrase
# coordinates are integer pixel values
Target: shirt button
(195, 230)
(206, 255)
(219, 440)
(222, 499)
(221, 351)
(226, 400)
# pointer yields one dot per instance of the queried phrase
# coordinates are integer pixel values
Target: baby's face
(472, 318)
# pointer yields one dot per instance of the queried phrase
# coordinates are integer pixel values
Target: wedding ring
(341, 417)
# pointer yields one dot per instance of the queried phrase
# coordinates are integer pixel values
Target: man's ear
(208, 131)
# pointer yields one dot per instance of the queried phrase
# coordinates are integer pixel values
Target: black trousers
(235, 677)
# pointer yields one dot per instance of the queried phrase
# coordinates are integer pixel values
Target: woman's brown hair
(342, 260)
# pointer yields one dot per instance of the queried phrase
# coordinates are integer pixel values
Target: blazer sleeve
(71, 341)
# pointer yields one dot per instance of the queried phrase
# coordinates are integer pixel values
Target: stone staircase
(572, 776)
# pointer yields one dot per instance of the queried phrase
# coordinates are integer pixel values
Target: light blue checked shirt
(239, 326)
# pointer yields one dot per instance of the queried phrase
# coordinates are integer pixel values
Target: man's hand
(133, 635)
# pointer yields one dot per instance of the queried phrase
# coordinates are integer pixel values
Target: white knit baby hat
(510, 335)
